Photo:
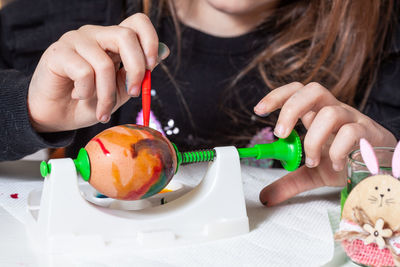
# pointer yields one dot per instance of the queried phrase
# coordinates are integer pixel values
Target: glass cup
(357, 170)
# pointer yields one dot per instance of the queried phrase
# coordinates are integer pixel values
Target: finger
(122, 96)
(308, 118)
(74, 67)
(116, 59)
(124, 41)
(104, 75)
(327, 122)
(346, 140)
(276, 98)
(147, 35)
(311, 97)
(290, 185)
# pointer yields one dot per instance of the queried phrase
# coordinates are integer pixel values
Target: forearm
(17, 137)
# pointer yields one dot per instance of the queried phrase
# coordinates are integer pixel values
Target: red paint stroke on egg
(397, 245)
(14, 195)
(103, 148)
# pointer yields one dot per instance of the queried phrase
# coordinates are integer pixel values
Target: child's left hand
(333, 131)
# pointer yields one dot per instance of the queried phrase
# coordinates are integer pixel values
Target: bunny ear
(396, 161)
(369, 157)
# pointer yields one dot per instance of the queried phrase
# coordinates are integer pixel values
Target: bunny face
(379, 197)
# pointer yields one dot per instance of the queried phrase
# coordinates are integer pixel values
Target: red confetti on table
(14, 195)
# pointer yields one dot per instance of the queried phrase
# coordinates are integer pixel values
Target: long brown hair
(336, 43)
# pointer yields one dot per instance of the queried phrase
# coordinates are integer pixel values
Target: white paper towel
(17, 206)
(297, 233)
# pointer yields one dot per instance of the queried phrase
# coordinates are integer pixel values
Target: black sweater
(195, 110)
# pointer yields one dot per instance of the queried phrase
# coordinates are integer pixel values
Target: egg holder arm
(61, 220)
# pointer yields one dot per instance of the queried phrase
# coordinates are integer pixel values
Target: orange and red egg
(130, 162)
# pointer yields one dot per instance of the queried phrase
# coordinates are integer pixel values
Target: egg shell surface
(130, 162)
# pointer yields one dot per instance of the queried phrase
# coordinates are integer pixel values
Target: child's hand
(78, 81)
(334, 130)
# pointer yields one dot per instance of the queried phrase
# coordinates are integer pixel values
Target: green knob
(45, 169)
(287, 150)
(82, 164)
(178, 157)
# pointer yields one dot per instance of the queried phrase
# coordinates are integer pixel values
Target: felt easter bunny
(370, 224)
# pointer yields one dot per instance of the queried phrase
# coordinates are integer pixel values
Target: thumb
(303, 179)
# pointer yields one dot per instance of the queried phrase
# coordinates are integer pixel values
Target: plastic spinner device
(68, 215)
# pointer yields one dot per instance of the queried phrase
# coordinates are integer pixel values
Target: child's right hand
(78, 81)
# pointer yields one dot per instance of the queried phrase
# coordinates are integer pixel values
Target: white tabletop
(296, 233)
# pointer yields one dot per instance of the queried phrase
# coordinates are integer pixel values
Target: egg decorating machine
(69, 214)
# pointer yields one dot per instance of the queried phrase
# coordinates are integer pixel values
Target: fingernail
(104, 118)
(310, 162)
(260, 109)
(163, 51)
(264, 114)
(134, 91)
(337, 167)
(279, 130)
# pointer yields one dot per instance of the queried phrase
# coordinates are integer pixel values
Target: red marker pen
(146, 97)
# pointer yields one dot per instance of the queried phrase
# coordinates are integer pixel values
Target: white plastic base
(64, 221)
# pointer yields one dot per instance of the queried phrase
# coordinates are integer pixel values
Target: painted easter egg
(130, 162)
